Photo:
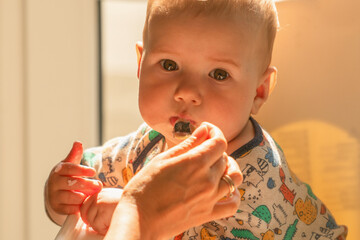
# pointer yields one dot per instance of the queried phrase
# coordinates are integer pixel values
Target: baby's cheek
(145, 106)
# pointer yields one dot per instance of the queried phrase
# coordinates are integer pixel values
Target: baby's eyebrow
(163, 51)
(225, 60)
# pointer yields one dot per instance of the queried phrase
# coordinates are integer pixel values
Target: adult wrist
(126, 221)
(149, 222)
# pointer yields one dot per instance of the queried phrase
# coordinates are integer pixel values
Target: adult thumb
(197, 137)
(75, 153)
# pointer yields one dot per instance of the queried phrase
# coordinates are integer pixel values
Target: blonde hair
(258, 13)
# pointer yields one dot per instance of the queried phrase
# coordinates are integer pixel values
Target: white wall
(12, 144)
(48, 71)
(123, 23)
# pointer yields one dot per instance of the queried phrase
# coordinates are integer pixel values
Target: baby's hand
(67, 187)
(97, 210)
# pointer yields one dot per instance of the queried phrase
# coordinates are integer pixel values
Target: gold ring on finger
(230, 183)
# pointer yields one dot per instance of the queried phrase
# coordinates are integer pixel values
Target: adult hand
(179, 189)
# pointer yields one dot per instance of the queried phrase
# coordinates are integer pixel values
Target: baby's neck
(246, 135)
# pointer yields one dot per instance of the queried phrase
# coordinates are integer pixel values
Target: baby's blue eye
(219, 74)
(169, 65)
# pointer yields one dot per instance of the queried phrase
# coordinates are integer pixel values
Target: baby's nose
(188, 93)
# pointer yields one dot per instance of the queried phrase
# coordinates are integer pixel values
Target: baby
(207, 61)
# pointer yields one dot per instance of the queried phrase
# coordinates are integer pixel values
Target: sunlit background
(49, 79)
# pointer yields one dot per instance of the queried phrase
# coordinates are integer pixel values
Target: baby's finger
(86, 211)
(75, 153)
(71, 198)
(67, 202)
(71, 169)
(93, 219)
(68, 209)
(88, 186)
(83, 185)
(89, 210)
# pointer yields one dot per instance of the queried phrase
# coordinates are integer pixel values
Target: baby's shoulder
(114, 147)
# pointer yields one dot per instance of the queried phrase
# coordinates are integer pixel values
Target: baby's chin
(168, 134)
(171, 142)
(173, 135)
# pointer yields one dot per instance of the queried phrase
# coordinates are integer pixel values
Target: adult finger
(209, 210)
(212, 148)
(226, 207)
(218, 169)
(75, 153)
(233, 172)
(197, 137)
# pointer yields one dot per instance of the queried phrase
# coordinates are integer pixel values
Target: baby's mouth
(183, 129)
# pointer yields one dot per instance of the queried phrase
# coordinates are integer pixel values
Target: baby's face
(200, 69)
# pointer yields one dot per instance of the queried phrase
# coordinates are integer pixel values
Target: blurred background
(68, 72)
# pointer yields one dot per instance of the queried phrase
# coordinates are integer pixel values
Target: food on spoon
(183, 129)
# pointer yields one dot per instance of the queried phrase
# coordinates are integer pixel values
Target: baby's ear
(139, 50)
(266, 86)
(273, 79)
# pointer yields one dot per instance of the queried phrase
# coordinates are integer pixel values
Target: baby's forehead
(254, 14)
(233, 26)
(195, 9)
